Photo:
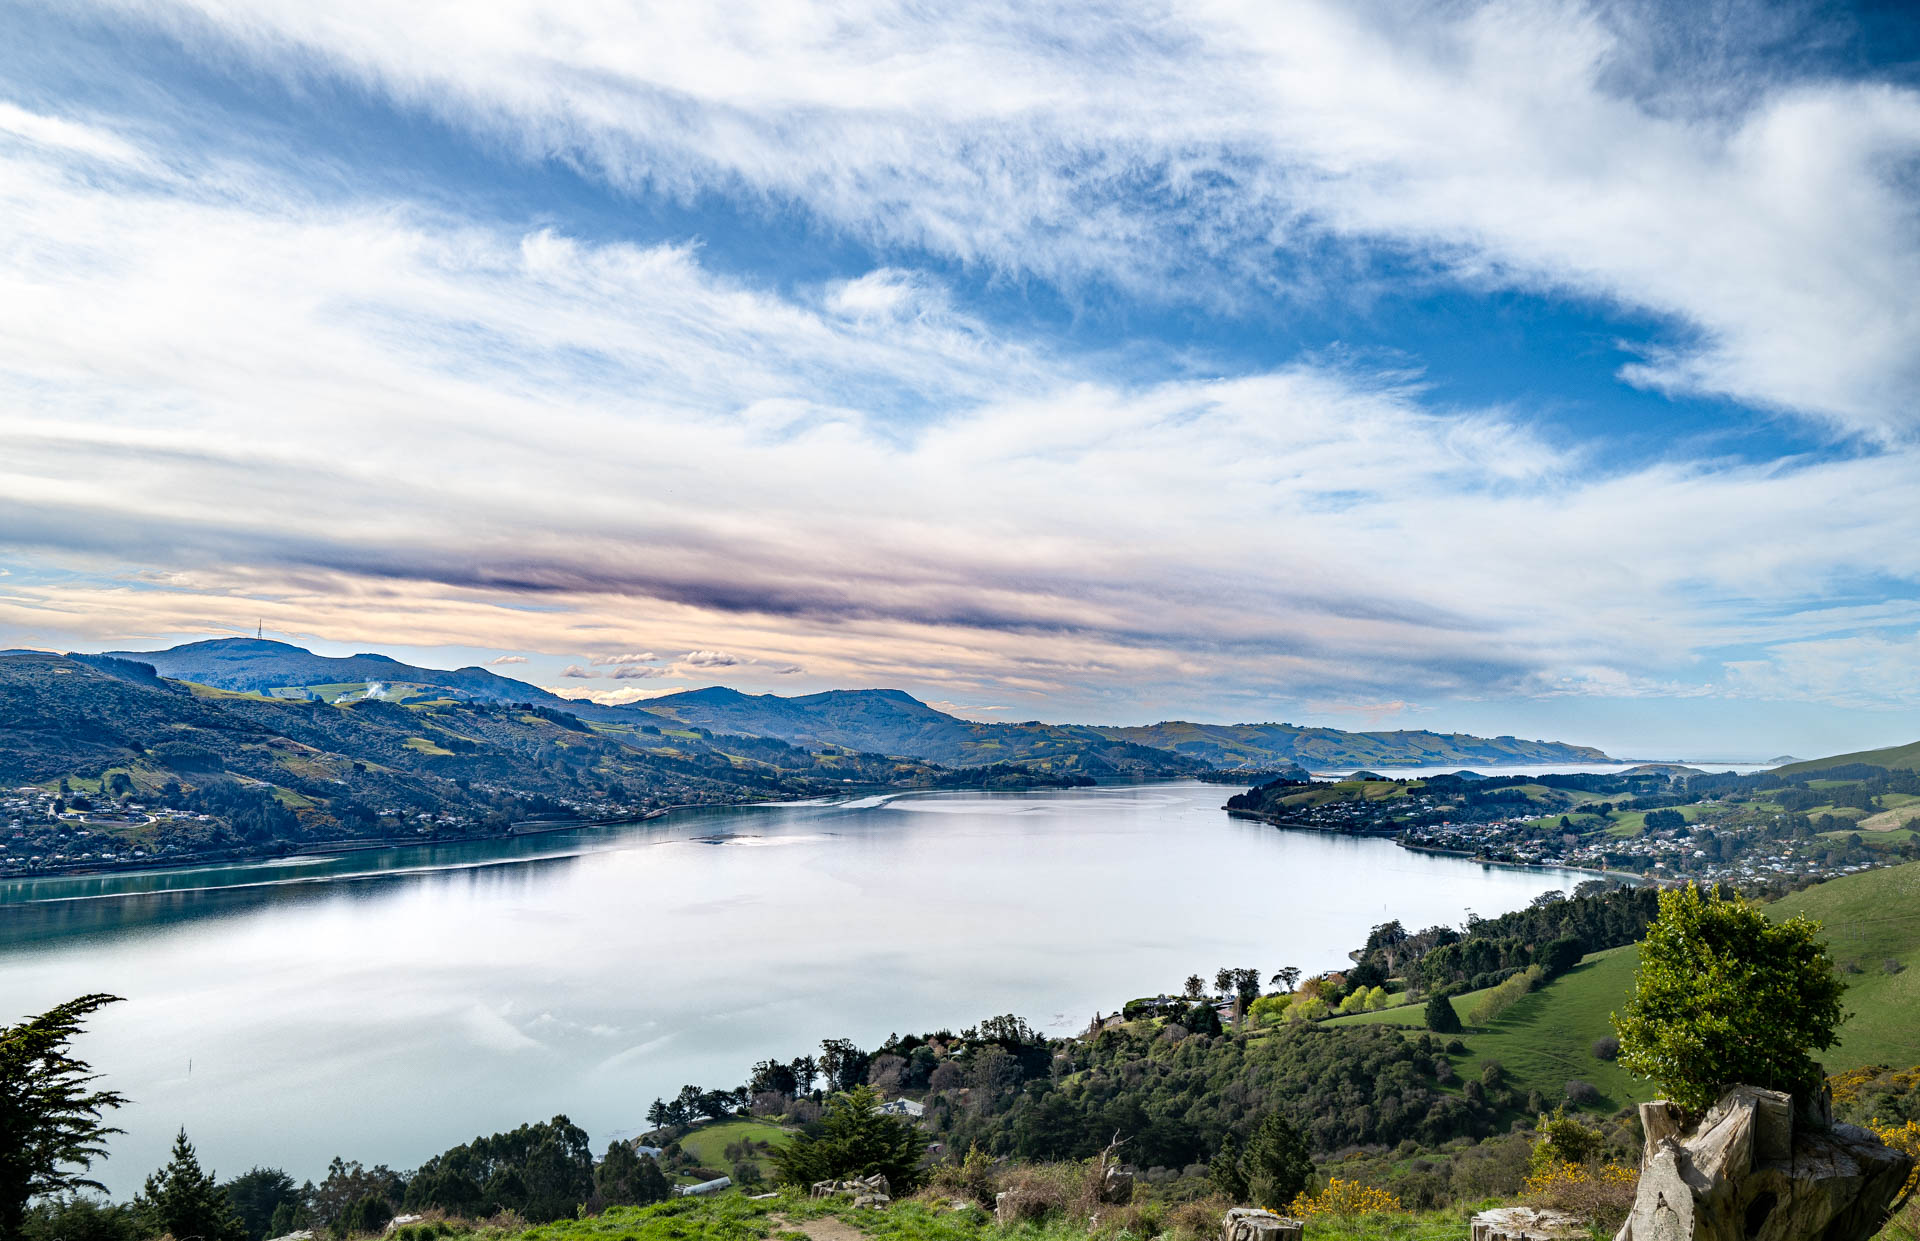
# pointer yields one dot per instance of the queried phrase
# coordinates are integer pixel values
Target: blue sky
(1525, 367)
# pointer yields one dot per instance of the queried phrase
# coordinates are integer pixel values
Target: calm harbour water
(286, 1013)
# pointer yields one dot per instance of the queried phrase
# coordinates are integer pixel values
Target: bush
(1582, 1094)
(1343, 1198)
(1506, 995)
(1606, 1048)
(1601, 1195)
(854, 1141)
(1726, 996)
(1441, 1018)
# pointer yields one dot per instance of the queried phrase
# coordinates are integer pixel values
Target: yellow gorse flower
(1561, 1174)
(1905, 1138)
(1343, 1198)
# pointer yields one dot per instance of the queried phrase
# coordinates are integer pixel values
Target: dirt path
(826, 1228)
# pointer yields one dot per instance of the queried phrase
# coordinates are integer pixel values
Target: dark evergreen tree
(51, 1129)
(627, 1178)
(1441, 1018)
(258, 1195)
(183, 1200)
(855, 1140)
(1277, 1164)
(1225, 1172)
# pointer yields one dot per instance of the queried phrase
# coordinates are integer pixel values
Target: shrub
(1506, 995)
(1606, 1048)
(1343, 1198)
(1726, 996)
(1582, 1094)
(1601, 1195)
(854, 1141)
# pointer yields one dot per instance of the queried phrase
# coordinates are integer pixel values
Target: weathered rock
(1758, 1168)
(1254, 1224)
(1526, 1224)
(401, 1221)
(1116, 1186)
(867, 1191)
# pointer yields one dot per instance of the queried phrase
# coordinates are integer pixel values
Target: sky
(1537, 368)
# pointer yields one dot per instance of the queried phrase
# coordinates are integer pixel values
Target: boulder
(1759, 1168)
(1527, 1224)
(866, 1191)
(1254, 1224)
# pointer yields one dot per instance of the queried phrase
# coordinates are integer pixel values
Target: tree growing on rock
(1726, 996)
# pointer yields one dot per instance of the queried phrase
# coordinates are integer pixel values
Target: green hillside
(1892, 758)
(1872, 919)
(1547, 1038)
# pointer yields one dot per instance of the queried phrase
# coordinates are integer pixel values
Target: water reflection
(328, 1010)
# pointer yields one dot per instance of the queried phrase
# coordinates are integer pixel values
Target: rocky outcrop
(1757, 1169)
(1254, 1224)
(1116, 1185)
(866, 1191)
(1527, 1224)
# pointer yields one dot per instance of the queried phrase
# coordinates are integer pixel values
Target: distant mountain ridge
(257, 665)
(884, 721)
(1256, 745)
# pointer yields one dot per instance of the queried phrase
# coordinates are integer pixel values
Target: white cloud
(498, 660)
(1165, 149)
(233, 391)
(631, 657)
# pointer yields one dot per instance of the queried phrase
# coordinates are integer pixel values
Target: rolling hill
(887, 721)
(228, 772)
(1329, 749)
(1869, 919)
(874, 721)
(1893, 758)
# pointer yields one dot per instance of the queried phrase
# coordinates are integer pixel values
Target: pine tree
(50, 1122)
(186, 1202)
(855, 1140)
(1225, 1171)
(627, 1178)
(1441, 1018)
(1277, 1163)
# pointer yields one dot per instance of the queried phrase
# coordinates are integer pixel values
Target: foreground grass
(791, 1217)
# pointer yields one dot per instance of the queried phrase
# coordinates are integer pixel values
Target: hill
(1893, 758)
(888, 721)
(263, 666)
(105, 759)
(1547, 1038)
(1325, 749)
(1871, 920)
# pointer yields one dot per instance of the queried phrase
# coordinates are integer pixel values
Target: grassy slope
(1891, 757)
(708, 1143)
(1547, 1038)
(1869, 918)
(735, 1217)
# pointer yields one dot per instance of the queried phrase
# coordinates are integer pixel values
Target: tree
(1726, 996)
(627, 1178)
(1277, 1163)
(855, 1140)
(51, 1127)
(1441, 1018)
(1196, 987)
(186, 1202)
(258, 1194)
(1286, 977)
(1225, 1172)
